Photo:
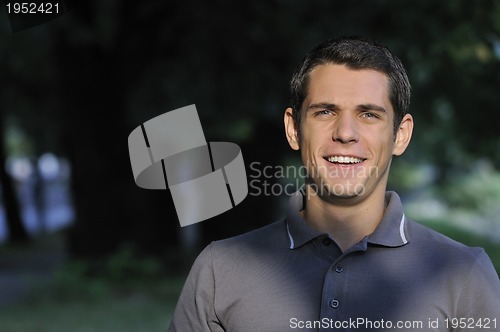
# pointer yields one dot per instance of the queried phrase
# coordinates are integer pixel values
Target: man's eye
(369, 115)
(324, 112)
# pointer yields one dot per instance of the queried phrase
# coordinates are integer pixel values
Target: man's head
(349, 117)
(354, 54)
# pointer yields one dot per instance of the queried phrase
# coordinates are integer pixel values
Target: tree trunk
(16, 231)
(110, 209)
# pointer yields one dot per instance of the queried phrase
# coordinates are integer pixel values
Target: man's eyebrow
(329, 106)
(362, 107)
(371, 107)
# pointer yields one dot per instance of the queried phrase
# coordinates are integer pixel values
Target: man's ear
(291, 129)
(403, 135)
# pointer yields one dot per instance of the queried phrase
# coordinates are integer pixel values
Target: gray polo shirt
(289, 277)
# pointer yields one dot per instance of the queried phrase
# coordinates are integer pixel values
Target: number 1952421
(32, 8)
(471, 323)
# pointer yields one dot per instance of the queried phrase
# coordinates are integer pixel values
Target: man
(345, 257)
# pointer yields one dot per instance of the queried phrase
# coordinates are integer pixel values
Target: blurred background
(82, 248)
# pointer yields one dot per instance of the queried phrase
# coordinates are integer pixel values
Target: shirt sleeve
(195, 309)
(479, 302)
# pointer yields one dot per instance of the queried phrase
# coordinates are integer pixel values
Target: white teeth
(344, 160)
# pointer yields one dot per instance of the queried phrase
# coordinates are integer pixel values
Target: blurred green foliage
(133, 314)
(236, 62)
(125, 270)
(126, 291)
(478, 190)
(78, 85)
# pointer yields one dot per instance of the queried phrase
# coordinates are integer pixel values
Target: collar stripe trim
(402, 230)
(292, 243)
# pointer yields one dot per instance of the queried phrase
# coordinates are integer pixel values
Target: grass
(129, 294)
(96, 306)
(137, 312)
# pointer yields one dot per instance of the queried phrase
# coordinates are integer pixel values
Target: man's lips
(344, 160)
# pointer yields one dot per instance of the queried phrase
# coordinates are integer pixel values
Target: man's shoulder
(246, 251)
(271, 234)
(429, 240)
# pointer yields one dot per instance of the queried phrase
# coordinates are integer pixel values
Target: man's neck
(346, 223)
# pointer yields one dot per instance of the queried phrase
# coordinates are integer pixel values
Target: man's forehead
(327, 81)
(333, 70)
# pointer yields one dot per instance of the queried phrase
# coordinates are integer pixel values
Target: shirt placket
(333, 313)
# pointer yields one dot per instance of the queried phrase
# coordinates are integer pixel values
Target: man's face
(347, 134)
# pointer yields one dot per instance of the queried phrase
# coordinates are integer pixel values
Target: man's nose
(345, 129)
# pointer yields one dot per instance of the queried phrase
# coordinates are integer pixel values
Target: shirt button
(334, 303)
(339, 269)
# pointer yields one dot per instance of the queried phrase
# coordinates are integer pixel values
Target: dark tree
(15, 227)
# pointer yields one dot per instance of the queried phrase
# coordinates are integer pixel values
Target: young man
(345, 257)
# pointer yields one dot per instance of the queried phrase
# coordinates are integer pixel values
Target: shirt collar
(297, 230)
(391, 232)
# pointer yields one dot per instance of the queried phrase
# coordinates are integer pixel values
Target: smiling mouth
(344, 160)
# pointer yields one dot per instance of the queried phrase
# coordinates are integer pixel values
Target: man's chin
(338, 191)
